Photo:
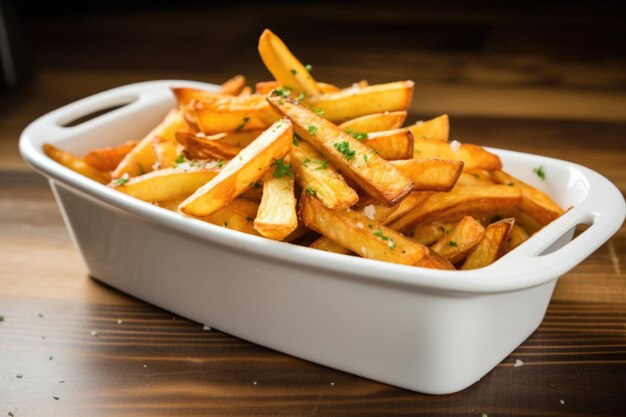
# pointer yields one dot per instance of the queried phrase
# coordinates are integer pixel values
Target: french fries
(242, 172)
(355, 160)
(491, 246)
(365, 237)
(75, 164)
(455, 246)
(295, 157)
(107, 159)
(276, 217)
(377, 122)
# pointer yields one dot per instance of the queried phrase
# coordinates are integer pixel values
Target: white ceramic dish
(424, 330)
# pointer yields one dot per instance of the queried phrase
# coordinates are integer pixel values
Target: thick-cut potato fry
(477, 178)
(534, 202)
(435, 129)
(239, 139)
(169, 183)
(354, 102)
(461, 201)
(207, 147)
(277, 217)
(75, 164)
(372, 173)
(141, 159)
(365, 237)
(284, 66)
(431, 174)
(230, 114)
(244, 206)
(473, 156)
(243, 171)
(266, 87)
(517, 236)
(428, 233)
(171, 205)
(185, 95)
(391, 144)
(106, 159)
(491, 246)
(377, 122)
(229, 219)
(455, 245)
(165, 152)
(317, 176)
(246, 91)
(233, 86)
(329, 245)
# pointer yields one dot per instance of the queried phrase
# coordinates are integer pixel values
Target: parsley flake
(540, 172)
(180, 159)
(452, 243)
(310, 190)
(312, 129)
(282, 92)
(317, 111)
(344, 148)
(282, 169)
(293, 71)
(510, 183)
(300, 97)
(294, 141)
(365, 158)
(308, 67)
(1, 318)
(220, 163)
(56, 398)
(245, 120)
(357, 135)
(121, 181)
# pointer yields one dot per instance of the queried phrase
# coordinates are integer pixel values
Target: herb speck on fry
(312, 129)
(344, 148)
(282, 169)
(540, 172)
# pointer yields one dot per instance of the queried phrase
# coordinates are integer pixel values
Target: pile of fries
(306, 162)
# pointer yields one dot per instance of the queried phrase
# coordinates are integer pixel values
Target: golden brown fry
(230, 114)
(517, 236)
(328, 245)
(473, 156)
(373, 174)
(390, 144)
(266, 87)
(106, 159)
(169, 183)
(354, 102)
(318, 177)
(185, 95)
(141, 159)
(491, 246)
(171, 205)
(207, 147)
(239, 139)
(229, 219)
(284, 66)
(461, 201)
(165, 152)
(476, 178)
(277, 217)
(365, 237)
(246, 91)
(244, 206)
(455, 245)
(241, 172)
(376, 122)
(435, 129)
(233, 86)
(431, 174)
(534, 202)
(75, 163)
(428, 233)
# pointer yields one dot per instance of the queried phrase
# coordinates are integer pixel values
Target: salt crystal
(359, 225)
(369, 211)
(207, 328)
(455, 145)
(518, 363)
(94, 333)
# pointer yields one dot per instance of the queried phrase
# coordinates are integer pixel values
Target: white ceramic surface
(425, 330)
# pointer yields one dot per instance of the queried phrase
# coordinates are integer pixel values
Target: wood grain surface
(70, 346)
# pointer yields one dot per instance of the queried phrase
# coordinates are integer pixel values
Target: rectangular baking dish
(424, 330)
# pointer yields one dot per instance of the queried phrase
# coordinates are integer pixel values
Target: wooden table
(70, 346)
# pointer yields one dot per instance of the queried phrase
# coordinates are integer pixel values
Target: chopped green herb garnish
(300, 97)
(452, 243)
(442, 229)
(50, 358)
(344, 148)
(540, 172)
(282, 92)
(220, 163)
(40, 315)
(379, 233)
(317, 111)
(55, 397)
(282, 169)
(1, 318)
(312, 129)
(121, 181)
(294, 141)
(293, 71)
(357, 135)
(365, 158)
(180, 159)
(392, 244)
(321, 164)
(310, 190)
(510, 183)
(245, 120)
(255, 185)
(308, 67)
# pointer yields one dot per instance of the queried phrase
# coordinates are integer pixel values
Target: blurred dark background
(483, 59)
